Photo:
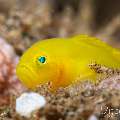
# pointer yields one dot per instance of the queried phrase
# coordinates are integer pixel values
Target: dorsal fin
(91, 41)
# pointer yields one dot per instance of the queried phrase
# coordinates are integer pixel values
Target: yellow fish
(62, 61)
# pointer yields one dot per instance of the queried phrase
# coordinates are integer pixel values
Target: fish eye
(42, 59)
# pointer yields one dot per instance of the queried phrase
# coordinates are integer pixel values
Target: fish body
(63, 61)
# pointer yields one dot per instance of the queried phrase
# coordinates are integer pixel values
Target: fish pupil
(42, 59)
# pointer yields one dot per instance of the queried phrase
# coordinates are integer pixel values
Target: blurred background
(23, 22)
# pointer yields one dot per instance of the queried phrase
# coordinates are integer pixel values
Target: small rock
(92, 117)
(29, 102)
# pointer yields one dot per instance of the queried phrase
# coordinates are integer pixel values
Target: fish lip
(27, 68)
(27, 76)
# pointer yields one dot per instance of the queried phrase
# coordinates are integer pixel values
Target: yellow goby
(62, 61)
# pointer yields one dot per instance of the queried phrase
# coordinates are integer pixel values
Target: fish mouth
(28, 77)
